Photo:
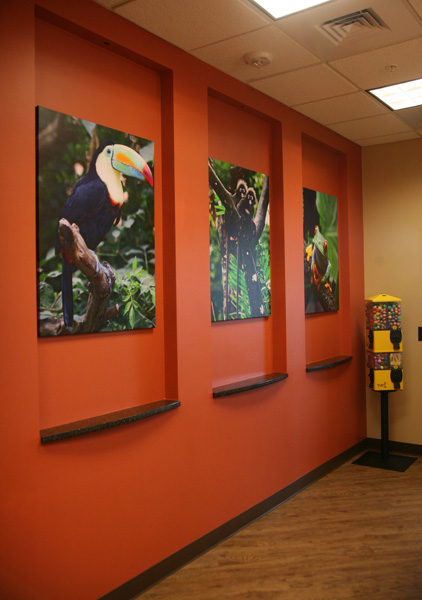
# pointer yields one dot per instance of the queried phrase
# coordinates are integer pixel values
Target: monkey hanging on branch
(239, 229)
(246, 203)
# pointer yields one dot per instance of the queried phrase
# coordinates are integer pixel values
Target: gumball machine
(384, 342)
(385, 370)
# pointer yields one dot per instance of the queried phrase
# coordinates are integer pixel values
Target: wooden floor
(355, 534)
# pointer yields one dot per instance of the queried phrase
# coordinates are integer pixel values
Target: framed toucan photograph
(320, 248)
(95, 227)
(239, 242)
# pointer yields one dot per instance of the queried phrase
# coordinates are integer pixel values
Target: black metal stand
(385, 460)
(384, 425)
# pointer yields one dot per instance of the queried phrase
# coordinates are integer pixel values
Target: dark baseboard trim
(416, 449)
(151, 576)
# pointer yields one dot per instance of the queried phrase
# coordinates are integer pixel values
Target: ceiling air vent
(354, 26)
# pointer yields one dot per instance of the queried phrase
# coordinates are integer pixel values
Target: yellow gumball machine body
(384, 343)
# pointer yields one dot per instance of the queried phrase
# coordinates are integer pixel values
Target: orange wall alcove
(323, 172)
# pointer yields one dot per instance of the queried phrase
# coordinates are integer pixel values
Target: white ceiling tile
(370, 69)
(387, 139)
(221, 32)
(342, 108)
(305, 27)
(370, 127)
(417, 6)
(412, 116)
(304, 85)
(191, 24)
(228, 54)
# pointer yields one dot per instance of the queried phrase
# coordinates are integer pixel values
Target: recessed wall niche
(103, 373)
(244, 349)
(328, 333)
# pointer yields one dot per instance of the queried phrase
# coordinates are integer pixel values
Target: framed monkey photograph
(239, 242)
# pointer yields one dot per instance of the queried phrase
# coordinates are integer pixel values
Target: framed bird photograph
(320, 249)
(95, 227)
(239, 242)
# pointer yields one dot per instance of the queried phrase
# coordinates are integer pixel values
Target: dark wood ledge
(113, 419)
(328, 363)
(247, 384)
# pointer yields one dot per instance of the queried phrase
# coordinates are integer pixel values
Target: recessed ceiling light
(281, 8)
(402, 95)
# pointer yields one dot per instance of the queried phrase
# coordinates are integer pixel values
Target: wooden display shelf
(328, 363)
(247, 384)
(113, 419)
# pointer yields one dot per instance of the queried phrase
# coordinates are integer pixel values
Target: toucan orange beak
(146, 171)
(127, 161)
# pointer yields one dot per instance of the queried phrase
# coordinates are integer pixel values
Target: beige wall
(392, 204)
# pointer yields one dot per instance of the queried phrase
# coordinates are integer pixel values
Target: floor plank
(355, 534)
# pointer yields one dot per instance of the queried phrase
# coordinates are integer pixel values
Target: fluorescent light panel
(402, 95)
(282, 8)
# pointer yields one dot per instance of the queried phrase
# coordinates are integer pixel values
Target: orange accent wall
(83, 516)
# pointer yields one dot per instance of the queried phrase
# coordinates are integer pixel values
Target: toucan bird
(95, 204)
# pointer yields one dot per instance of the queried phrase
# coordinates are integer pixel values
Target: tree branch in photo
(223, 194)
(49, 136)
(101, 278)
(261, 211)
